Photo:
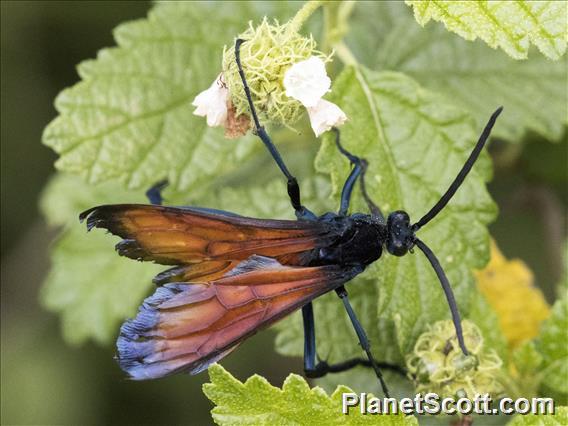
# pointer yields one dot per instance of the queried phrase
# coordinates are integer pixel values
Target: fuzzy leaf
(131, 119)
(257, 402)
(336, 339)
(553, 344)
(470, 74)
(527, 360)
(512, 26)
(559, 418)
(91, 287)
(482, 314)
(402, 130)
(269, 200)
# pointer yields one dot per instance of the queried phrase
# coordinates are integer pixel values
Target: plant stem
(302, 15)
(336, 26)
(336, 16)
(345, 54)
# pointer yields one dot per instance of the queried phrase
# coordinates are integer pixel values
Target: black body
(359, 243)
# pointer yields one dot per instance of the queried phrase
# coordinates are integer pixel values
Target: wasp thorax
(400, 237)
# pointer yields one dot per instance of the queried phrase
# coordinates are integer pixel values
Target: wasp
(232, 276)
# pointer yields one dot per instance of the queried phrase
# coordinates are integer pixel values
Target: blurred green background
(44, 381)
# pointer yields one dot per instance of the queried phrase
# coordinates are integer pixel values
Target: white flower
(325, 115)
(212, 103)
(307, 81)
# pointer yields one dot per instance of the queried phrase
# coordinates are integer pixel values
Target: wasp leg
(359, 169)
(154, 194)
(293, 187)
(309, 340)
(342, 293)
(313, 370)
(323, 368)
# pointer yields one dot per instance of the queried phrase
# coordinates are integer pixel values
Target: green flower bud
(438, 365)
(266, 55)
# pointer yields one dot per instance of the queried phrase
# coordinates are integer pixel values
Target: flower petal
(212, 103)
(325, 115)
(307, 81)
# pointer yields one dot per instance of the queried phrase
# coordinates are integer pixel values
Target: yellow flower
(508, 286)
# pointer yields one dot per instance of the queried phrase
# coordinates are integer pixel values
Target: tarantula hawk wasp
(234, 275)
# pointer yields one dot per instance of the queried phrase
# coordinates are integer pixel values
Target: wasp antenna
(462, 174)
(238, 44)
(447, 290)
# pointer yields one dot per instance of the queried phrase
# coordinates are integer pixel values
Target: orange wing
(186, 327)
(217, 241)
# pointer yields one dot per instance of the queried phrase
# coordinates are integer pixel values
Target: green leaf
(269, 200)
(385, 37)
(257, 402)
(526, 358)
(402, 130)
(488, 322)
(559, 418)
(362, 379)
(512, 26)
(526, 361)
(553, 344)
(91, 287)
(336, 339)
(130, 118)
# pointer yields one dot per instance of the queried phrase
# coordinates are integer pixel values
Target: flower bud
(438, 365)
(267, 53)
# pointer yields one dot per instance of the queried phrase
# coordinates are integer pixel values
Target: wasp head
(400, 234)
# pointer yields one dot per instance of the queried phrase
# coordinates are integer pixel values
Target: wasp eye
(396, 247)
